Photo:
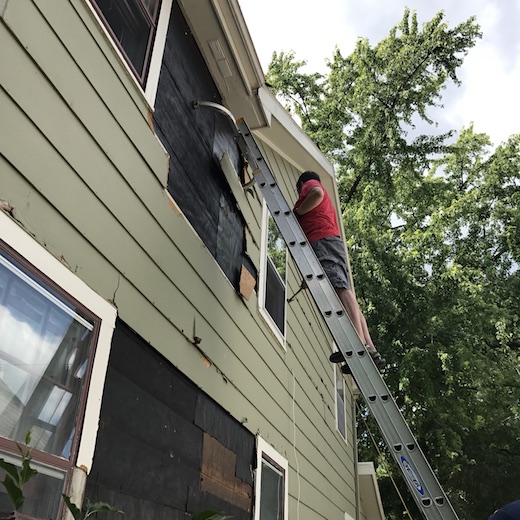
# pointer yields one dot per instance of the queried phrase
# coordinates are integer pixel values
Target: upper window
(132, 24)
(273, 275)
(46, 342)
(271, 488)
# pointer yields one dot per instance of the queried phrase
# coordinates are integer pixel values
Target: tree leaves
(361, 113)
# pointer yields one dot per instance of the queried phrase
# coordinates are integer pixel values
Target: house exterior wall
(84, 174)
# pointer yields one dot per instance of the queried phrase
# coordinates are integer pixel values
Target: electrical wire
(294, 445)
(382, 458)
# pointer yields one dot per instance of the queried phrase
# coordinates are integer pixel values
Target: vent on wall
(222, 62)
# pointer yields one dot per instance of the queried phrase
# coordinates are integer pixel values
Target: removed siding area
(162, 441)
(196, 140)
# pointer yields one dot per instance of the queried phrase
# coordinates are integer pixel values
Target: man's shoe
(379, 361)
(336, 357)
(345, 369)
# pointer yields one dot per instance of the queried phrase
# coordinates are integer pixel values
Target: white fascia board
(369, 491)
(18, 239)
(273, 107)
(239, 39)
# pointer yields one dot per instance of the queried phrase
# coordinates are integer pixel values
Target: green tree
(432, 225)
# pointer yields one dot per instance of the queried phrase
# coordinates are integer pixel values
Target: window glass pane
(341, 419)
(275, 274)
(42, 493)
(271, 492)
(44, 345)
(131, 27)
(275, 296)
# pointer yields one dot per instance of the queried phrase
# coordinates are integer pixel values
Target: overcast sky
(489, 96)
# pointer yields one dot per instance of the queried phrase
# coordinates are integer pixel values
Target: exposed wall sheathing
(164, 447)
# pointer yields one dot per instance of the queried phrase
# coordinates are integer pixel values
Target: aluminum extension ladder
(420, 478)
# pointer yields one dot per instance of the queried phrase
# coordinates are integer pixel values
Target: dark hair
(306, 176)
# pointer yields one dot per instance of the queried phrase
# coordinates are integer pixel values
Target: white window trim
(152, 81)
(14, 236)
(262, 283)
(262, 447)
(337, 368)
(154, 70)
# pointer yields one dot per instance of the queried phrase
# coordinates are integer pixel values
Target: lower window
(46, 347)
(271, 487)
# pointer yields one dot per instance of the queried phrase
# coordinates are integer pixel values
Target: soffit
(223, 38)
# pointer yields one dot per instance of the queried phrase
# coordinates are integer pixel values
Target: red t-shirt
(321, 221)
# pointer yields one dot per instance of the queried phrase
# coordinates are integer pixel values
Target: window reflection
(43, 355)
(275, 273)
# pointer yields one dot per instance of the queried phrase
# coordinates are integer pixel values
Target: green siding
(86, 176)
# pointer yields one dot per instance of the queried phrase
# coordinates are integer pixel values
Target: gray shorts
(331, 254)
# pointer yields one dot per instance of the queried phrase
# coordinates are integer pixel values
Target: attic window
(273, 275)
(132, 25)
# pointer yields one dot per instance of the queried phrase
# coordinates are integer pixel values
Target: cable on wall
(294, 444)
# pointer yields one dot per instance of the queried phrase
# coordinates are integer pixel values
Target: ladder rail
(419, 476)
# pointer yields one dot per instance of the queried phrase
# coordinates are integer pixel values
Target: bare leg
(368, 339)
(356, 316)
(351, 306)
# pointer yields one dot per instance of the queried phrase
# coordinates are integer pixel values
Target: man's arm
(313, 199)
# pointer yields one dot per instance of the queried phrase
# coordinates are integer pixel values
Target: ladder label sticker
(412, 476)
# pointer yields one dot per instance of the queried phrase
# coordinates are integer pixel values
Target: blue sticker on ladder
(412, 476)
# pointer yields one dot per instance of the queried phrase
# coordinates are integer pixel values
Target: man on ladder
(318, 219)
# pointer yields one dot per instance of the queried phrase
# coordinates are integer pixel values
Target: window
(341, 402)
(44, 345)
(132, 24)
(50, 383)
(45, 342)
(273, 275)
(271, 486)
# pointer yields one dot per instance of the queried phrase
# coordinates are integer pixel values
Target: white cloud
(490, 95)
(490, 79)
